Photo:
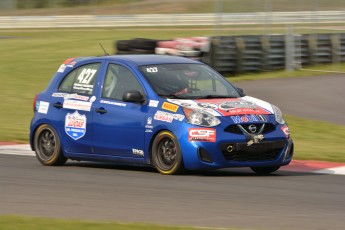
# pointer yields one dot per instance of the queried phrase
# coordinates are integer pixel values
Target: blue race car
(168, 112)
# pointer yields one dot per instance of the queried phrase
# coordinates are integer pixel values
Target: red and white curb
(321, 167)
(306, 166)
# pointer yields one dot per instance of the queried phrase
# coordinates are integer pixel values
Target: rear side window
(119, 80)
(80, 80)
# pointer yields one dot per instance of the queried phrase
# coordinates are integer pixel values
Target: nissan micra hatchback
(171, 113)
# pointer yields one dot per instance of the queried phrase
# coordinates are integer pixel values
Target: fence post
(289, 50)
(335, 40)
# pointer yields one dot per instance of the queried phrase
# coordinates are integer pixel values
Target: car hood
(228, 106)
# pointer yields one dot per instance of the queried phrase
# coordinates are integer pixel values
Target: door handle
(101, 110)
(58, 105)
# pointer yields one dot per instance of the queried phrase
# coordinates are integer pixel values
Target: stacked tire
(136, 46)
(193, 47)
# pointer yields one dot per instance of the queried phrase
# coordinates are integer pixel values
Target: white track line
(23, 150)
(337, 170)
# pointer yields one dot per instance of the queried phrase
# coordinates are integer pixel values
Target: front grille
(269, 127)
(256, 152)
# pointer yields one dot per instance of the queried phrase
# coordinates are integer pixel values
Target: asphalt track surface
(222, 198)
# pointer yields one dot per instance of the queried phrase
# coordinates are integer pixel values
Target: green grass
(31, 58)
(317, 140)
(32, 223)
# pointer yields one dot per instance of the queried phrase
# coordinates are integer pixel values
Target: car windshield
(188, 81)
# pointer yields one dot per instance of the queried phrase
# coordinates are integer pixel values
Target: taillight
(34, 105)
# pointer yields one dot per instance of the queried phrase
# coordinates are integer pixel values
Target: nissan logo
(252, 128)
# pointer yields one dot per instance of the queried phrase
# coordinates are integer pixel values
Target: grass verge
(33, 223)
(317, 140)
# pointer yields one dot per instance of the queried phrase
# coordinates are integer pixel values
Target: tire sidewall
(57, 151)
(179, 161)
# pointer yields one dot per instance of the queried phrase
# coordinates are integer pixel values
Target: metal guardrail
(172, 19)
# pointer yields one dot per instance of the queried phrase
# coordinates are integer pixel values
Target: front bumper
(233, 150)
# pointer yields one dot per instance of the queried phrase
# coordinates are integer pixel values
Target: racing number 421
(86, 76)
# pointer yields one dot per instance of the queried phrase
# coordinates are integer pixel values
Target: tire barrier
(136, 46)
(246, 53)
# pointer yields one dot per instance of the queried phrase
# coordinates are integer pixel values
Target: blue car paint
(114, 135)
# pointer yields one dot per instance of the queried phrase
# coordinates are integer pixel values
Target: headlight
(278, 115)
(202, 118)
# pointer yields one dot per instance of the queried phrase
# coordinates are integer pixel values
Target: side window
(80, 80)
(118, 80)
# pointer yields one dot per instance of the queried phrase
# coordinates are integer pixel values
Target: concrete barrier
(171, 19)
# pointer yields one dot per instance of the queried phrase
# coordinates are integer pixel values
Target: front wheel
(48, 146)
(265, 170)
(166, 154)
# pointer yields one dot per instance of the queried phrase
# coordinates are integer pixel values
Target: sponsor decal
(148, 131)
(248, 118)
(153, 103)
(168, 117)
(77, 105)
(138, 152)
(42, 107)
(162, 116)
(77, 97)
(202, 134)
(82, 87)
(255, 139)
(170, 107)
(286, 131)
(92, 99)
(37, 105)
(149, 123)
(112, 103)
(71, 64)
(59, 95)
(152, 69)
(75, 125)
(61, 68)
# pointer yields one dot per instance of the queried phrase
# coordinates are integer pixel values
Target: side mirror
(241, 92)
(133, 96)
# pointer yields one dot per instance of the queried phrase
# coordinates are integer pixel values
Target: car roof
(140, 60)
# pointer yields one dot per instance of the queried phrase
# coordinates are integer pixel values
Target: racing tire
(122, 45)
(167, 154)
(47, 146)
(265, 170)
(143, 44)
(142, 51)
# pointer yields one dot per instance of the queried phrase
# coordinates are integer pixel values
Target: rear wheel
(265, 170)
(166, 154)
(48, 146)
